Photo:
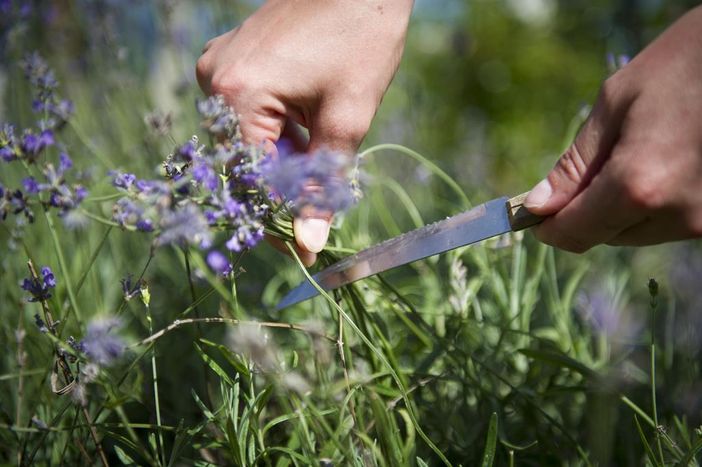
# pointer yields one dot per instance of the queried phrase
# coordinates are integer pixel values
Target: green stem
(374, 349)
(64, 268)
(429, 164)
(154, 375)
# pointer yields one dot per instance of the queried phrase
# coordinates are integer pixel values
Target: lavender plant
(145, 335)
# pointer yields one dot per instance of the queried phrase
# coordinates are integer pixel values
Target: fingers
(340, 125)
(584, 158)
(583, 196)
(598, 214)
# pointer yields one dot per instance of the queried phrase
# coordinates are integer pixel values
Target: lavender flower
(218, 262)
(615, 63)
(184, 226)
(128, 213)
(599, 308)
(100, 343)
(45, 101)
(31, 186)
(318, 180)
(9, 144)
(218, 118)
(32, 144)
(131, 289)
(205, 175)
(123, 180)
(40, 288)
(40, 324)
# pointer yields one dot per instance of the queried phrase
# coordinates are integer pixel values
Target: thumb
(584, 157)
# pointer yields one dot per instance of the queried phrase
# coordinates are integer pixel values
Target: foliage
(502, 353)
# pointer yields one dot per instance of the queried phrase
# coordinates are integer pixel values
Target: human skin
(631, 177)
(633, 174)
(321, 64)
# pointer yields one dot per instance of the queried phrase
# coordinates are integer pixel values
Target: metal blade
(480, 223)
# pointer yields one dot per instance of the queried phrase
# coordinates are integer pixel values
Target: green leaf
(214, 366)
(491, 442)
(182, 438)
(210, 416)
(124, 458)
(232, 358)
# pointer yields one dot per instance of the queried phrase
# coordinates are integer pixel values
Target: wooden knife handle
(519, 217)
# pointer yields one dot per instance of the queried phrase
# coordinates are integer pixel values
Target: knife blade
(487, 220)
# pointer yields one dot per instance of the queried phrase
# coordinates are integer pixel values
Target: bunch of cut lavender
(227, 186)
(34, 147)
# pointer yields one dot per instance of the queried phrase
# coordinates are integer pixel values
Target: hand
(321, 64)
(633, 176)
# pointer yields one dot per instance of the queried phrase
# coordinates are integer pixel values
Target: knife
(487, 220)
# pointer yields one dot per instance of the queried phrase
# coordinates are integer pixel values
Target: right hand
(321, 64)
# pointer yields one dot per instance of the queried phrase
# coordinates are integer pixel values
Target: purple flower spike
(100, 343)
(40, 289)
(48, 276)
(65, 162)
(123, 180)
(218, 262)
(30, 185)
(32, 145)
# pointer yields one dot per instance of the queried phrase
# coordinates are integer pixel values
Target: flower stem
(64, 268)
(154, 375)
(375, 350)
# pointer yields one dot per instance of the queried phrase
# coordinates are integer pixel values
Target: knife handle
(519, 217)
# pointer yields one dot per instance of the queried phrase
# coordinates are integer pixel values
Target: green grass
(482, 356)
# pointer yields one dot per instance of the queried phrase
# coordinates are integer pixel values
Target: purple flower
(187, 151)
(14, 202)
(40, 324)
(40, 288)
(184, 226)
(65, 162)
(218, 262)
(100, 343)
(205, 175)
(8, 143)
(145, 225)
(128, 213)
(318, 180)
(31, 186)
(123, 180)
(218, 118)
(48, 276)
(32, 145)
(62, 111)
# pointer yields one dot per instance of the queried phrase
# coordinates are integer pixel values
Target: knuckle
(202, 71)
(609, 90)
(571, 165)
(346, 129)
(229, 83)
(643, 191)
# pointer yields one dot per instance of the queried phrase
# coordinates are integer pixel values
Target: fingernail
(313, 234)
(538, 196)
